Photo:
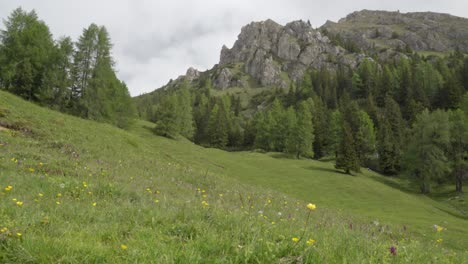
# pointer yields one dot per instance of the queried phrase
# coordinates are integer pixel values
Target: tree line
(73, 77)
(406, 116)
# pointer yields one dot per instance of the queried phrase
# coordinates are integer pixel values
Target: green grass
(149, 195)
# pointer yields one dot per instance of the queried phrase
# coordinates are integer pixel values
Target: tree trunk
(459, 183)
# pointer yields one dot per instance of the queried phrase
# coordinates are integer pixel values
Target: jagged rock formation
(273, 54)
(425, 31)
(267, 54)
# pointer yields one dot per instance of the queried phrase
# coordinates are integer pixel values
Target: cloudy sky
(155, 41)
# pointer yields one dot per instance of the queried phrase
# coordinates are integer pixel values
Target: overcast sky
(155, 41)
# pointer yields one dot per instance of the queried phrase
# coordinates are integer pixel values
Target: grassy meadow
(77, 191)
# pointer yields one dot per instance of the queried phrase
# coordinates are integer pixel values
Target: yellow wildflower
(94, 204)
(439, 240)
(59, 195)
(8, 188)
(14, 199)
(156, 201)
(123, 247)
(3, 230)
(57, 202)
(295, 239)
(41, 195)
(19, 234)
(310, 242)
(440, 229)
(31, 170)
(311, 206)
(19, 203)
(41, 164)
(205, 203)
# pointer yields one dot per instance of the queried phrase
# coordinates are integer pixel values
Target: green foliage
(365, 140)
(217, 127)
(168, 124)
(185, 112)
(346, 156)
(81, 81)
(357, 219)
(425, 159)
(458, 150)
(305, 131)
(26, 54)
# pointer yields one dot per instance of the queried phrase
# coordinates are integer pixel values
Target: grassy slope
(145, 190)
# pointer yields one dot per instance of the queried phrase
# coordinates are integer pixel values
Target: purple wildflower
(393, 250)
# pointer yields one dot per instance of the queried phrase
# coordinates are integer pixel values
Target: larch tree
(425, 158)
(347, 158)
(458, 150)
(25, 55)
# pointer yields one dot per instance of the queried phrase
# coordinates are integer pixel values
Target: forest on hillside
(404, 116)
(73, 77)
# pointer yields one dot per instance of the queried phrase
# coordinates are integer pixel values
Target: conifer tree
(347, 158)
(26, 53)
(278, 128)
(305, 131)
(218, 127)
(365, 138)
(167, 124)
(458, 150)
(291, 136)
(185, 112)
(425, 158)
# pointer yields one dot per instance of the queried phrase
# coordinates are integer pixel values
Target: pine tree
(26, 53)
(218, 127)
(388, 152)
(291, 136)
(365, 138)
(336, 132)
(458, 150)
(278, 127)
(264, 126)
(167, 124)
(305, 131)
(390, 138)
(347, 158)
(185, 111)
(425, 158)
(321, 126)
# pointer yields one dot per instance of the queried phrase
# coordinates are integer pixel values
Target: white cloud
(155, 41)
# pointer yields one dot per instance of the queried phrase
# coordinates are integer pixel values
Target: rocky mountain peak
(274, 54)
(421, 31)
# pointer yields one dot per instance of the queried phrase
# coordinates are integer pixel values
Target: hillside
(82, 191)
(421, 31)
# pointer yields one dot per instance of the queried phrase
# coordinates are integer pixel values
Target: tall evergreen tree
(185, 111)
(425, 158)
(278, 128)
(167, 124)
(218, 127)
(291, 136)
(458, 151)
(26, 53)
(305, 131)
(347, 158)
(365, 138)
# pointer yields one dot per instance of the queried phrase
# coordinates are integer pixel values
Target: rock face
(420, 31)
(192, 74)
(273, 54)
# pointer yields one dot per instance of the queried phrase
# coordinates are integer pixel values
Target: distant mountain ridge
(421, 31)
(267, 54)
